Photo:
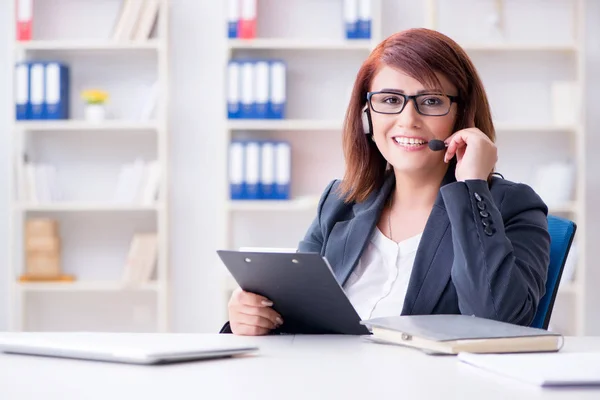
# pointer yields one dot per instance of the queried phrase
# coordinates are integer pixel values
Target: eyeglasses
(434, 104)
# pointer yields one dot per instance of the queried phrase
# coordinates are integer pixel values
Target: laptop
(131, 348)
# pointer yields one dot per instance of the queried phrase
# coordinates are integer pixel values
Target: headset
(366, 121)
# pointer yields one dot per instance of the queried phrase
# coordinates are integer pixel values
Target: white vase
(95, 112)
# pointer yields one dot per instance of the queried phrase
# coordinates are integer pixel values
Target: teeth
(409, 141)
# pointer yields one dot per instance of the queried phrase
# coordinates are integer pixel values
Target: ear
(366, 121)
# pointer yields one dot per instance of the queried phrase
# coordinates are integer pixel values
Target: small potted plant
(95, 101)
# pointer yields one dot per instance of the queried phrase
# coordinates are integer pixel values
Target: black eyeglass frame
(407, 98)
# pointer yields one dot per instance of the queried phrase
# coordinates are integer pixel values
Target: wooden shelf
(76, 125)
(299, 44)
(87, 45)
(86, 207)
(298, 204)
(83, 286)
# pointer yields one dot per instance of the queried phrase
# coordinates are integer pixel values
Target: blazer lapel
(348, 239)
(433, 261)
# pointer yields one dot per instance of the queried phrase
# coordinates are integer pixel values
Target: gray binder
(302, 288)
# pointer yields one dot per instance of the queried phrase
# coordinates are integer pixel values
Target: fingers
(254, 320)
(264, 312)
(252, 299)
(248, 330)
(455, 142)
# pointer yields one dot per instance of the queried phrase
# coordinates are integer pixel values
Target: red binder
(247, 23)
(24, 14)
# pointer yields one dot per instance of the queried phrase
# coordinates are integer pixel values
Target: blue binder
(283, 165)
(233, 89)
(364, 19)
(248, 91)
(22, 92)
(236, 170)
(351, 19)
(267, 170)
(233, 16)
(56, 93)
(277, 90)
(261, 80)
(252, 170)
(37, 91)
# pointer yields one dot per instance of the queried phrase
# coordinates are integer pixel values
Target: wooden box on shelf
(42, 251)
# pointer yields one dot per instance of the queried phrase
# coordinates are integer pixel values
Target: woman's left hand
(476, 154)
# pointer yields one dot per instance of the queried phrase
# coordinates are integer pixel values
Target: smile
(406, 141)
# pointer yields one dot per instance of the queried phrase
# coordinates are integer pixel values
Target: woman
(414, 231)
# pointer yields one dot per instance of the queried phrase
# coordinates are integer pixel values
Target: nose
(409, 117)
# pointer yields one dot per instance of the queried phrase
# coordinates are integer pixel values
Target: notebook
(561, 369)
(452, 334)
(122, 347)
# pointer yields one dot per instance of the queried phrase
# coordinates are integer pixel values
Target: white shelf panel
(298, 204)
(569, 287)
(86, 207)
(87, 45)
(570, 207)
(84, 286)
(296, 44)
(508, 127)
(472, 47)
(75, 125)
(284, 125)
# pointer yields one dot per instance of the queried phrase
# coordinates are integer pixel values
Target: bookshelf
(95, 231)
(528, 57)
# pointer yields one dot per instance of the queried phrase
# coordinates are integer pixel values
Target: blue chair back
(562, 232)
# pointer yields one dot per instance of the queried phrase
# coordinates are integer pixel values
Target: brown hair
(420, 53)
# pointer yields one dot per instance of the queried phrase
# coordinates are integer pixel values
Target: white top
(377, 286)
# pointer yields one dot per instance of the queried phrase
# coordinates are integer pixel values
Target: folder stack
(256, 89)
(241, 19)
(259, 170)
(41, 91)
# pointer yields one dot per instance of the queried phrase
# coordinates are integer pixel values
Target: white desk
(287, 367)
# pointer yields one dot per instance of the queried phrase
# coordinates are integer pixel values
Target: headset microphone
(437, 145)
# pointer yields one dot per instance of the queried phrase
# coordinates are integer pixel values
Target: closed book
(364, 19)
(233, 18)
(24, 19)
(277, 90)
(248, 90)
(247, 23)
(261, 79)
(351, 19)
(452, 334)
(252, 171)
(236, 170)
(37, 91)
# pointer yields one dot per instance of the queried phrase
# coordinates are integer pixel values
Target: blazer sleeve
(501, 251)
(313, 239)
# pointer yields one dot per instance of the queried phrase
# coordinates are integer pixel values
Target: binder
(261, 79)
(233, 89)
(351, 18)
(37, 89)
(24, 19)
(248, 90)
(267, 170)
(252, 171)
(56, 91)
(277, 90)
(364, 19)
(236, 170)
(283, 172)
(247, 25)
(22, 91)
(233, 17)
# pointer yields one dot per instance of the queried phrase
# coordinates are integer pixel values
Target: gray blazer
(484, 251)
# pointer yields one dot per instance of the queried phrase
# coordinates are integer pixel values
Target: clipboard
(302, 288)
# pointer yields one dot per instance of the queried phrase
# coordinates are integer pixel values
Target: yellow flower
(94, 96)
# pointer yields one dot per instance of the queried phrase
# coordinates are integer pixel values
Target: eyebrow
(423, 91)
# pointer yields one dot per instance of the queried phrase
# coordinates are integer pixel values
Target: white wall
(197, 81)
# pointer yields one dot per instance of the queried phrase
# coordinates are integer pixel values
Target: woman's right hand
(251, 314)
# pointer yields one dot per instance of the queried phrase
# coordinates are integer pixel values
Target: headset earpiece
(366, 121)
